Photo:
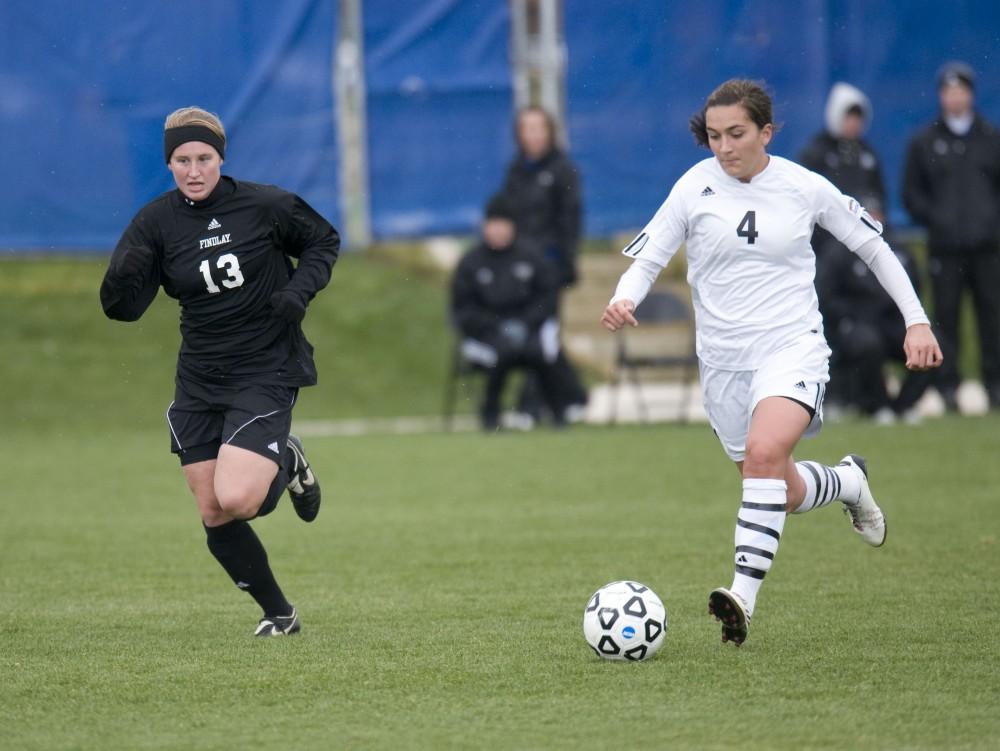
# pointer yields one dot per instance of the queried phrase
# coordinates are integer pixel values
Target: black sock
(273, 493)
(239, 551)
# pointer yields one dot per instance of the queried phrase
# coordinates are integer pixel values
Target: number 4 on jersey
(748, 227)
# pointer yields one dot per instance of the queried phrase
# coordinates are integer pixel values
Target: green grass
(379, 331)
(443, 585)
(442, 591)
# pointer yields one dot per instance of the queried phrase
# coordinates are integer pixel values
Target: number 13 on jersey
(231, 265)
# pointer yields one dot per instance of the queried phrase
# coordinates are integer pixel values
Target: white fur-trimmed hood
(842, 97)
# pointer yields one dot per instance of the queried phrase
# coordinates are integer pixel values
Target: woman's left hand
(921, 348)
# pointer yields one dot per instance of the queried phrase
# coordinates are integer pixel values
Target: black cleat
(731, 610)
(303, 487)
(279, 625)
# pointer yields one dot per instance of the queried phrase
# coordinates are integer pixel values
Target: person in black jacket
(951, 185)
(842, 155)
(222, 247)
(865, 331)
(543, 188)
(503, 302)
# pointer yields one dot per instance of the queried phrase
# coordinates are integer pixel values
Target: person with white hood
(841, 154)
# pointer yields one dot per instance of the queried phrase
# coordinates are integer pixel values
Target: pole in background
(539, 57)
(352, 132)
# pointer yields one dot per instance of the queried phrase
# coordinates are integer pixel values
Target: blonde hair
(195, 116)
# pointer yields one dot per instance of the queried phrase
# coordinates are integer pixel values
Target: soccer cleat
(866, 517)
(303, 487)
(729, 608)
(279, 625)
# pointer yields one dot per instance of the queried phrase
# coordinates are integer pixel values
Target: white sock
(824, 485)
(758, 530)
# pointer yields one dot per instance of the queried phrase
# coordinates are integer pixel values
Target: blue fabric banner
(638, 71)
(439, 112)
(85, 88)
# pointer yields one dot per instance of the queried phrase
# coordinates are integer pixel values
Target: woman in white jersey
(746, 218)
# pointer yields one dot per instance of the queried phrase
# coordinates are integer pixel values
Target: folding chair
(459, 370)
(665, 339)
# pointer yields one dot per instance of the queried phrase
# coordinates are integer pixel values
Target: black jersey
(222, 259)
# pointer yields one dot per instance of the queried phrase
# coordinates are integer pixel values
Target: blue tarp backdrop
(439, 110)
(84, 89)
(637, 71)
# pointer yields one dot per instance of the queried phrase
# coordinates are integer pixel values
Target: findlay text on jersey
(211, 242)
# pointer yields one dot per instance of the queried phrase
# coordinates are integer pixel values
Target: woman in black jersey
(222, 248)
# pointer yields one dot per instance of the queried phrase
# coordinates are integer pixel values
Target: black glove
(288, 306)
(514, 332)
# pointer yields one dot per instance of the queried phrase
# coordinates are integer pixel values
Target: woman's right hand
(617, 314)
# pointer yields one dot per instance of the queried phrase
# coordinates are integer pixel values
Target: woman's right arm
(651, 251)
(632, 289)
(133, 276)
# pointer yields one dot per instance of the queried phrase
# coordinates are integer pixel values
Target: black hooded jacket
(951, 186)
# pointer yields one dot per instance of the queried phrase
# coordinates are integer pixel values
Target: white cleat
(866, 517)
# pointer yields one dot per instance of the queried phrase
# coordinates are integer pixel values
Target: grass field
(442, 587)
(442, 590)
(379, 331)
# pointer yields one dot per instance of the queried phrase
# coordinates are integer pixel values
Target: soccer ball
(625, 620)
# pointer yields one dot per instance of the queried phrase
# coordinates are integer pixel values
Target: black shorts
(257, 418)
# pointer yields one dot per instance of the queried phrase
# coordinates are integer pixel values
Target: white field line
(663, 402)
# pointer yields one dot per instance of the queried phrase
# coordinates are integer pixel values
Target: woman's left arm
(311, 239)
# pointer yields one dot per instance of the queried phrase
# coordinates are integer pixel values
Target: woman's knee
(764, 458)
(240, 501)
(214, 517)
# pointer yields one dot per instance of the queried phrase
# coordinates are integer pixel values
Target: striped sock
(758, 530)
(824, 485)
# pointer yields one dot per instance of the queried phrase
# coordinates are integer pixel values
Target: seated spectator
(865, 331)
(504, 301)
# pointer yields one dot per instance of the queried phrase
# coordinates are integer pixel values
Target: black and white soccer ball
(625, 620)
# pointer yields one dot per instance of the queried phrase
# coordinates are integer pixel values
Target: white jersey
(751, 267)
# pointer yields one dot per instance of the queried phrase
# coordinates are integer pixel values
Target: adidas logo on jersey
(801, 385)
(708, 191)
(214, 224)
(273, 446)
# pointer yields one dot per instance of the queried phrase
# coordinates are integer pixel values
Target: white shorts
(799, 372)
